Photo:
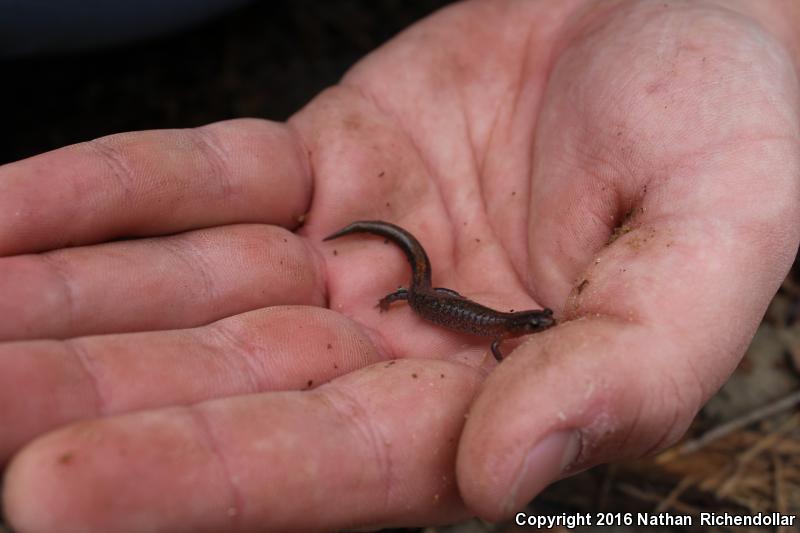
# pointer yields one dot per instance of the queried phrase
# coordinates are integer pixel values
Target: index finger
(154, 183)
(376, 446)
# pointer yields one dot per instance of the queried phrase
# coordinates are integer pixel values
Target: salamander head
(526, 322)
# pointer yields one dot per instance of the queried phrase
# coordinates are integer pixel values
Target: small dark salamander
(446, 307)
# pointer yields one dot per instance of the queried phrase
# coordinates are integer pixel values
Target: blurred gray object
(29, 27)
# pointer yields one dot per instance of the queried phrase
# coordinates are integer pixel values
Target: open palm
(632, 167)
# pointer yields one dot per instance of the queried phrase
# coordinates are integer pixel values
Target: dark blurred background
(266, 59)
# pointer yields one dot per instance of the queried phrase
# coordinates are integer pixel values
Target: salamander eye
(540, 321)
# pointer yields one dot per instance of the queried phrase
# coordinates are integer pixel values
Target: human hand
(514, 139)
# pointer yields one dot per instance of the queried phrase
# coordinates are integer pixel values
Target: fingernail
(542, 465)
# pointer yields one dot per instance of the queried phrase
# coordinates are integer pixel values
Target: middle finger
(278, 348)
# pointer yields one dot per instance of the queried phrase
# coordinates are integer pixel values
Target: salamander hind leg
(496, 350)
(386, 301)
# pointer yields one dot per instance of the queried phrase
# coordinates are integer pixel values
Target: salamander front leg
(496, 350)
(399, 294)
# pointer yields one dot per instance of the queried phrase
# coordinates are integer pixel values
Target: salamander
(446, 307)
